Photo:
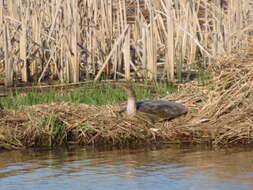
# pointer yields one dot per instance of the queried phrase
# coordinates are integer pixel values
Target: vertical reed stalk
(74, 40)
(23, 45)
(8, 63)
(169, 67)
(127, 56)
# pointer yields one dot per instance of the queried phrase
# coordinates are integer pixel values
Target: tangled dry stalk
(225, 114)
(82, 40)
(220, 113)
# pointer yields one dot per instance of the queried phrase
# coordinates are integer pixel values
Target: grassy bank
(91, 94)
(58, 117)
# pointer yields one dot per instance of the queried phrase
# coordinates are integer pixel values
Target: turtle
(158, 110)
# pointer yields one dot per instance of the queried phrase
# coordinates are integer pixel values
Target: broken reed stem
(119, 40)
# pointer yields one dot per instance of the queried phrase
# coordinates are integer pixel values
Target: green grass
(92, 94)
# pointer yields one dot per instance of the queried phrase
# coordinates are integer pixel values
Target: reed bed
(77, 40)
(220, 114)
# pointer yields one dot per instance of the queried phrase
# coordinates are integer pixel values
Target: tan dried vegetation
(168, 31)
(87, 39)
(220, 114)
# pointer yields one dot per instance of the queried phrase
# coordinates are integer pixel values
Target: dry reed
(83, 39)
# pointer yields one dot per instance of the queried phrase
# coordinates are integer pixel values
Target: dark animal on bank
(157, 110)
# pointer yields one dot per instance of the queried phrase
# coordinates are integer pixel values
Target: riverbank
(220, 114)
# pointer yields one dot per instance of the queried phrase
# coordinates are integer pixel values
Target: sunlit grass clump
(92, 94)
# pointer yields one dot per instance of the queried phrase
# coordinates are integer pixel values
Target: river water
(128, 169)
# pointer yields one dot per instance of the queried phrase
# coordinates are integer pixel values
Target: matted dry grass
(57, 124)
(220, 114)
(225, 106)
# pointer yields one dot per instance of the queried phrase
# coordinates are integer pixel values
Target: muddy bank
(220, 113)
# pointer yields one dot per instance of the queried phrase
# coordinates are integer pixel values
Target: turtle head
(131, 100)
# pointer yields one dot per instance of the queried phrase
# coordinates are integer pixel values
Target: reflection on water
(166, 168)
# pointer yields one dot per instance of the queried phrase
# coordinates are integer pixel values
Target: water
(144, 169)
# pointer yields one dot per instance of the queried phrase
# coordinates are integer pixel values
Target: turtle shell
(164, 110)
